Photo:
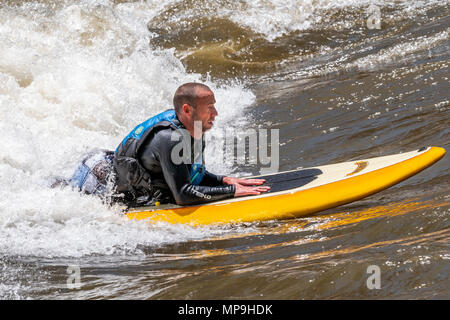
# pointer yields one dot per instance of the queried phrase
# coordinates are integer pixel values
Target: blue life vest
(144, 128)
(130, 172)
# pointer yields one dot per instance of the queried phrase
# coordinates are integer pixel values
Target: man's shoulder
(166, 137)
(169, 133)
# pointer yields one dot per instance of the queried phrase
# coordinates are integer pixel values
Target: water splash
(74, 77)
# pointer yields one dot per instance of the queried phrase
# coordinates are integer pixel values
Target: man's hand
(245, 187)
(243, 182)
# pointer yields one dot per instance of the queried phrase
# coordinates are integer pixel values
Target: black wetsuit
(174, 179)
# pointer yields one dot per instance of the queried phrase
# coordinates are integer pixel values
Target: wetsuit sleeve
(177, 175)
(212, 180)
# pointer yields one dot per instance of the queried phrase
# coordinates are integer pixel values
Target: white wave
(275, 18)
(72, 79)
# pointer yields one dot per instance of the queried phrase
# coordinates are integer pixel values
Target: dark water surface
(335, 89)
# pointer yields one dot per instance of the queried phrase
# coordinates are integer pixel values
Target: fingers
(251, 193)
(260, 188)
(245, 191)
(252, 182)
(244, 182)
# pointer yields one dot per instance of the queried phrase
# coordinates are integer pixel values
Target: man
(146, 165)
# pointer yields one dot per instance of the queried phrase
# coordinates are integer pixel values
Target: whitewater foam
(75, 77)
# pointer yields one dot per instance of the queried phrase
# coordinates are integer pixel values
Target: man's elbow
(189, 196)
(186, 201)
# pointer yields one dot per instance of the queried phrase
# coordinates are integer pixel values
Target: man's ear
(186, 109)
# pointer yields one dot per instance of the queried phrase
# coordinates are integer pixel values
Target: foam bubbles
(74, 78)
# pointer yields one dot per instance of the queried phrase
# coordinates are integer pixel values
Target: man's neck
(195, 129)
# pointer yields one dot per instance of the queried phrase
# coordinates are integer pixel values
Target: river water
(341, 80)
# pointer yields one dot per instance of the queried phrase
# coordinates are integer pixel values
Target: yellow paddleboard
(301, 192)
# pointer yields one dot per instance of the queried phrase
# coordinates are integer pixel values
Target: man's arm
(212, 180)
(177, 175)
(244, 187)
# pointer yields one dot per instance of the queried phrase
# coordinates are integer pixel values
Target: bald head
(188, 93)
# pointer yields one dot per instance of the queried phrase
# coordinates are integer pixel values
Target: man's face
(205, 111)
